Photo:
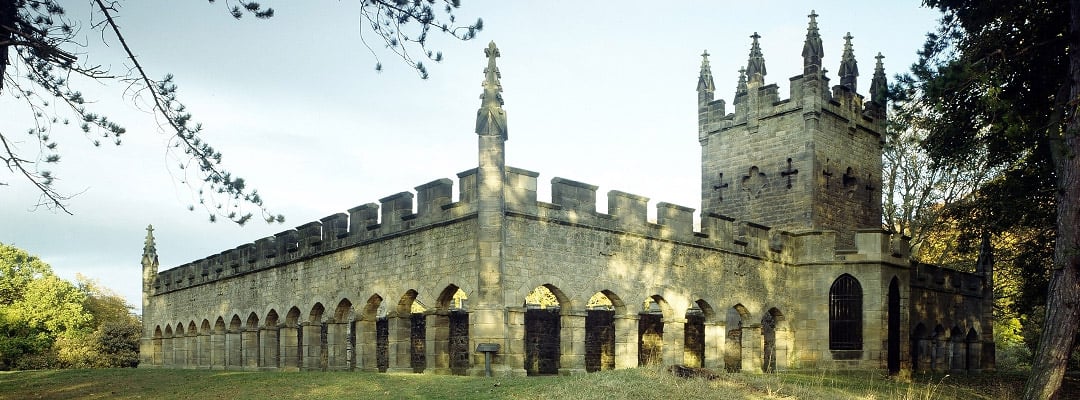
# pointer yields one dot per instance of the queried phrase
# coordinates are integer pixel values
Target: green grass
(639, 383)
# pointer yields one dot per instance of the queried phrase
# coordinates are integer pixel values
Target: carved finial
(491, 118)
(705, 79)
(985, 263)
(879, 85)
(149, 247)
(741, 87)
(812, 50)
(755, 68)
(849, 68)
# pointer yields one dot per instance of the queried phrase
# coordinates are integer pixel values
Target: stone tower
(809, 162)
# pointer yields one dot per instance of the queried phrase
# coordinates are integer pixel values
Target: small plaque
(487, 347)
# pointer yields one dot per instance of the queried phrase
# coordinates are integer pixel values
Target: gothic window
(845, 314)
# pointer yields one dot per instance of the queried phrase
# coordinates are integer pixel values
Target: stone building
(788, 269)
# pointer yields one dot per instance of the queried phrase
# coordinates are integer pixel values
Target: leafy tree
(47, 322)
(1002, 78)
(38, 309)
(43, 70)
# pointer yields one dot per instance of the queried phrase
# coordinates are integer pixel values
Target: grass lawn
(639, 383)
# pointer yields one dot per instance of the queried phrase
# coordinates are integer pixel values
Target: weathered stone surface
(790, 205)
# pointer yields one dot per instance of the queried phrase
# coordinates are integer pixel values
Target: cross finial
(849, 68)
(705, 53)
(755, 68)
(491, 51)
(491, 118)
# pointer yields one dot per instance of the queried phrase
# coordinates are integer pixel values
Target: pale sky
(598, 92)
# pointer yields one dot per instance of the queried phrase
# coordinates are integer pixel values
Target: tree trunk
(1063, 295)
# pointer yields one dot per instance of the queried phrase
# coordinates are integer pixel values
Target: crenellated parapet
(392, 216)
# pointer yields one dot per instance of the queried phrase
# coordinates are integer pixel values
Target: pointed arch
(316, 314)
(272, 318)
(252, 321)
(920, 348)
(343, 311)
(893, 325)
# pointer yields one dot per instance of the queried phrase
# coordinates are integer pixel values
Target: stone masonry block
(521, 189)
(335, 226)
(573, 195)
(629, 209)
(677, 218)
(432, 196)
(718, 227)
(310, 234)
(467, 186)
(361, 217)
(394, 208)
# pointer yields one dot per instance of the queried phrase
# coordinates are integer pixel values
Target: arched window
(845, 314)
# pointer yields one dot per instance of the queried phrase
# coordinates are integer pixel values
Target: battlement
(393, 216)
(942, 279)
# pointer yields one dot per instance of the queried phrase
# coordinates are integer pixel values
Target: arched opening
(958, 358)
(289, 336)
(313, 340)
(600, 332)
(845, 318)
(456, 303)
(920, 346)
(938, 361)
(694, 337)
(771, 353)
(179, 342)
(542, 331)
(651, 331)
(191, 337)
(415, 326)
(271, 341)
(168, 353)
(234, 349)
(733, 358)
(372, 336)
(340, 338)
(973, 349)
(157, 357)
(204, 339)
(894, 327)
(217, 344)
(251, 345)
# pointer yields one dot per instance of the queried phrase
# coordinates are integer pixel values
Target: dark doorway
(459, 342)
(894, 327)
(542, 341)
(694, 339)
(418, 343)
(651, 338)
(599, 340)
